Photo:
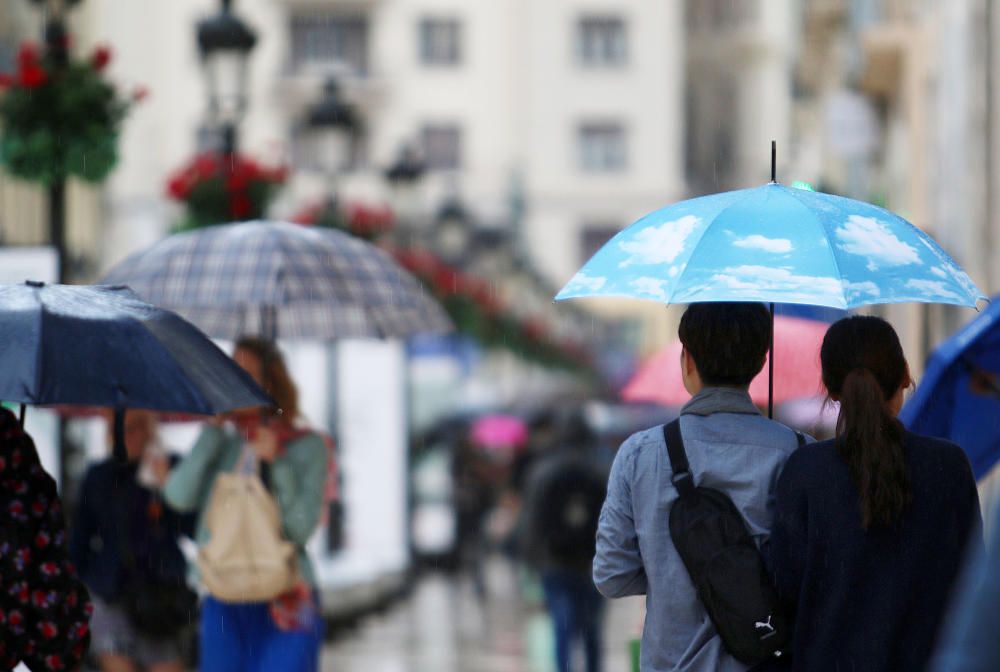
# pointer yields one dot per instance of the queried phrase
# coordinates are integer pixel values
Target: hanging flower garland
(476, 310)
(472, 303)
(58, 121)
(359, 219)
(217, 189)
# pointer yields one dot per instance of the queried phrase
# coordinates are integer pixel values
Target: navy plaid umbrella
(280, 279)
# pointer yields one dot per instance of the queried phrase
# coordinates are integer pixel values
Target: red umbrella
(796, 368)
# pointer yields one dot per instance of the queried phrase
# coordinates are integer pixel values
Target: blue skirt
(244, 638)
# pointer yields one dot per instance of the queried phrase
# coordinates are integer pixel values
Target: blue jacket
(969, 641)
(730, 447)
(111, 499)
(871, 600)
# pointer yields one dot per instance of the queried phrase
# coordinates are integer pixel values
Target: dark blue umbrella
(959, 396)
(103, 346)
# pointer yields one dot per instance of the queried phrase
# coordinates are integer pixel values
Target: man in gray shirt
(730, 446)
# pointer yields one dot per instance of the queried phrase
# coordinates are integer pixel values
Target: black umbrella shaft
(774, 158)
(120, 453)
(770, 370)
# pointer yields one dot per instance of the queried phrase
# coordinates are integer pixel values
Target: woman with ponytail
(870, 527)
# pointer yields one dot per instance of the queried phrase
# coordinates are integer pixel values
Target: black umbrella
(103, 346)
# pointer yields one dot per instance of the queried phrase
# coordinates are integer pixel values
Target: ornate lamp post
(452, 234)
(331, 128)
(404, 177)
(225, 43)
(57, 48)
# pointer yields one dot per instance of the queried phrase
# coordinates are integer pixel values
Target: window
(602, 148)
(330, 39)
(593, 236)
(601, 41)
(440, 41)
(442, 145)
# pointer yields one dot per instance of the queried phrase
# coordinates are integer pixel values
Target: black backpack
(569, 507)
(724, 564)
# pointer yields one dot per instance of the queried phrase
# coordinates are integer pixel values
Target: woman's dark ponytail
(864, 367)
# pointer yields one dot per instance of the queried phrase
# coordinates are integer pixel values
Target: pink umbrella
(499, 432)
(796, 368)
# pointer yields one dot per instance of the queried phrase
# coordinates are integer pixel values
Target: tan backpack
(246, 558)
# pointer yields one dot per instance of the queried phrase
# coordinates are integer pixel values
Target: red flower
(237, 181)
(177, 188)
(101, 57)
(48, 629)
(33, 77)
(240, 205)
(205, 166)
(140, 93)
(54, 662)
(15, 618)
(27, 55)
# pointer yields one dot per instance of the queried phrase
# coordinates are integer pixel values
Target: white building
(571, 107)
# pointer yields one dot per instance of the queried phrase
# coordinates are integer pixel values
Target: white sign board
(371, 409)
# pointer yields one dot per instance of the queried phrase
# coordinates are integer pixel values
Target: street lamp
(225, 43)
(452, 232)
(332, 125)
(57, 49)
(403, 177)
(330, 128)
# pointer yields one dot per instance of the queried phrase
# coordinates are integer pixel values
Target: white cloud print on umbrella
(774, 244)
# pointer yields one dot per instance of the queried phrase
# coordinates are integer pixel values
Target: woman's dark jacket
(871, 600)
(112, 500)
(44, 608)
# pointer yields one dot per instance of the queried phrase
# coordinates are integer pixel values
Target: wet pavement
(444, 626)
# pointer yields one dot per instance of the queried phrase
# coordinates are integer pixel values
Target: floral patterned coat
(44, 608)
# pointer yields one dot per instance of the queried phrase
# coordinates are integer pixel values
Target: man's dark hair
(728, 341)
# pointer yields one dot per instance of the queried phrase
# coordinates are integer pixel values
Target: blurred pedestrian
(276, 624)
(562, 503)
(730, 448)
(969, 641)
(125, 546)
(870, 527)
(475, 495)
(44, 607)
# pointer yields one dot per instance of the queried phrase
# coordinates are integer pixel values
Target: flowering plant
(58, 120)
(476, 310)
(216, 189)
(359, 219)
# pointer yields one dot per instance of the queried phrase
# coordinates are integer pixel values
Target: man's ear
(687, 361)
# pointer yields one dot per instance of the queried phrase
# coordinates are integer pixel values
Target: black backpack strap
(681, 478)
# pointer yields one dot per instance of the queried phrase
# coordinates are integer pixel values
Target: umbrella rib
(38, 353)
(694, 248)
(826, 239)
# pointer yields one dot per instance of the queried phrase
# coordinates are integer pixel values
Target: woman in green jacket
(286, 632)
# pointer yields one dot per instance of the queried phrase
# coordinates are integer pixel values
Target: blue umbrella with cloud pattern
(774, 244)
